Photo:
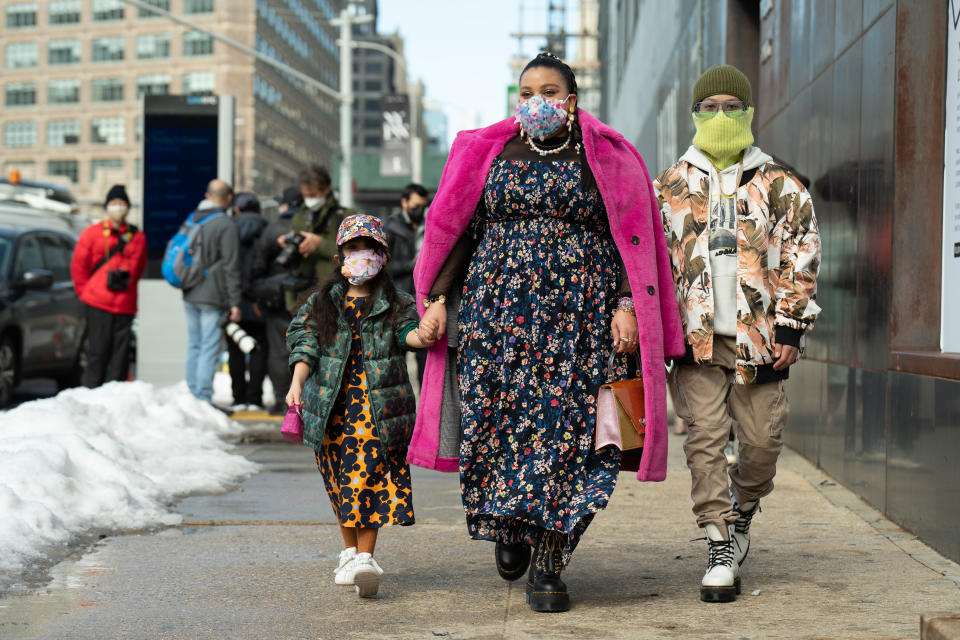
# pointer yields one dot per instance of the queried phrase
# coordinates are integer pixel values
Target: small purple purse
(292, 429)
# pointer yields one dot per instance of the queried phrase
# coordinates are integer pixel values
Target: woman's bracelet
(442, 299)
(626, 304)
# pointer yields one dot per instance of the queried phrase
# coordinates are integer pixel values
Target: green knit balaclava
(723, 138)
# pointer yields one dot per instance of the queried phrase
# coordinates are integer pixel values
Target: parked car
(42, 322)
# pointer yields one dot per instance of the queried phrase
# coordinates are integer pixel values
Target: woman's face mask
(363, 264)
(541, 117)
(313, 203)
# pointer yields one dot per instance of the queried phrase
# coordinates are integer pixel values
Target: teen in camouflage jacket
(778, 258)
(392, 403)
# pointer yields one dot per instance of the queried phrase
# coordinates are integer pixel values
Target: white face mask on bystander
(117, 212)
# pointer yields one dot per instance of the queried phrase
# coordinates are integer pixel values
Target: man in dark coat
(247, 395)
(405, 234)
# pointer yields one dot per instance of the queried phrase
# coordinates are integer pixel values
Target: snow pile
(99, 461)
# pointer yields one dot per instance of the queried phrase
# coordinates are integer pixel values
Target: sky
(460, 49)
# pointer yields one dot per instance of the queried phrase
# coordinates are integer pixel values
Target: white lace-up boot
(366, 575)
(740, 529)
(721, 582)
(344, 568)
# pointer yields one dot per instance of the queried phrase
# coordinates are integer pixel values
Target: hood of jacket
(249, 226)
(753, 158)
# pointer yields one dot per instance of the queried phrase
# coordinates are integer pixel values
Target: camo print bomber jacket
(778, 259)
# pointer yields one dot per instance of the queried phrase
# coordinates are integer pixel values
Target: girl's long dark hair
(550, 61)
(325, 310)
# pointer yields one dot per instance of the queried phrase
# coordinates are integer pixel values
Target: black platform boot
(512, 560)
(545, 590)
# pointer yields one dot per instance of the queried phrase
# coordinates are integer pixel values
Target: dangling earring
(570, 118)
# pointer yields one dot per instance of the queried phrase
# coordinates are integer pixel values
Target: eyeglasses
(731, 108)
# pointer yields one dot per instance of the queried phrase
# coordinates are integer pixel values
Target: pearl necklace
(547, 152)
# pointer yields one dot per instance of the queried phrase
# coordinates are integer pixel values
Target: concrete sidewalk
(257, 563)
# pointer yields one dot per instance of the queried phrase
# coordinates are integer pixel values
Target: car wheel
(8, 370)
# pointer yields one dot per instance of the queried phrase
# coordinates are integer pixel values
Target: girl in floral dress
(350, 380)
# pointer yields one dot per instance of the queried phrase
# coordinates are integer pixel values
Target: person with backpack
(204, 258)
(248, 394)
(107, 263)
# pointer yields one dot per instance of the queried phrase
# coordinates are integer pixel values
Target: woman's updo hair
(550, 61)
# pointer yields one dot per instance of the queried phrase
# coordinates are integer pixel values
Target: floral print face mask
(364, 265)
(541, 117)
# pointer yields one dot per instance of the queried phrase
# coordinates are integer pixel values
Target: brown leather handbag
(621, 417)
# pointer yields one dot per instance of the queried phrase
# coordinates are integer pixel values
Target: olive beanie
(719, 80)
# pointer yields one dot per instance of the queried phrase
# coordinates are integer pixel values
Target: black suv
(42, 322)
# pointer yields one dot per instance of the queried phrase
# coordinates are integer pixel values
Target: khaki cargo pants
(706, 399)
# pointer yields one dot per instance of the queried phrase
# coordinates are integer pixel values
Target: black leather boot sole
(512, 560)
(721, 594)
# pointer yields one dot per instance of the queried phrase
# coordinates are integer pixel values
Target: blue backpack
(183, 261)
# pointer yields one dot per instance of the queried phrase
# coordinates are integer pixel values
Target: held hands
(427, 333)
(785, 356)
(625, 331)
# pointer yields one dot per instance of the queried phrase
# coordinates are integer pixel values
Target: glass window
(198, 6)
(65, 12)
(199, 83)
(64, 168)
(104, 163)
(373, 85)
(21, 94)
(21, 14)
(160, 4)
(63, 52)
(104, 10)
(108, 49)
(19, 134)
(21, 55)
(153, 45)
(63, 91)
(155, 84)
(375, 67)
(196, 43)
(106, 89)
(29, 256)
(371, 104)
(108, 131)
(371, 141)
(56, 257)
(5, 247)
(63, 132)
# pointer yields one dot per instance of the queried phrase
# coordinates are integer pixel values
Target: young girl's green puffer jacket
(383, 345)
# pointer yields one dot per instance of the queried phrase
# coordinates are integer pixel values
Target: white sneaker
(237, 407)
(345, 564)
(721, 582)
(366, 575)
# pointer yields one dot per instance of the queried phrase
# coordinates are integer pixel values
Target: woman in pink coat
(544, 254)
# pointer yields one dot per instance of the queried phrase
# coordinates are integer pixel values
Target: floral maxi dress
(368, 486)
(534, 330)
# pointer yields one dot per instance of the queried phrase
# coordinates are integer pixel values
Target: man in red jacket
(107, 264)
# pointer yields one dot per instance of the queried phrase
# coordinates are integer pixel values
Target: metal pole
(346, 107)
(239, 46)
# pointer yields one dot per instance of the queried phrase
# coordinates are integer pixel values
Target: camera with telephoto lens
(235, 332)
(290, 255)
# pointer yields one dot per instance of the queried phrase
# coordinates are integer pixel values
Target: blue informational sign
(179, 159)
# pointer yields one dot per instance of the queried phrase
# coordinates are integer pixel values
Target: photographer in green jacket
(310, 246)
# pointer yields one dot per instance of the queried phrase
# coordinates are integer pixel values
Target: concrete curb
(940, 626)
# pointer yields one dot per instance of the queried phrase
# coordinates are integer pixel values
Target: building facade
(74, 70)
(852, 93)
